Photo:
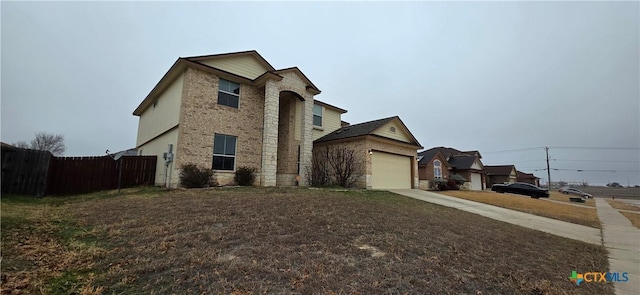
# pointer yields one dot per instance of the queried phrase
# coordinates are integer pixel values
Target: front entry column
(306, 145)
(270, 134)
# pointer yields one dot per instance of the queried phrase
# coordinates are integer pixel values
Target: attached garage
(476, 181)
(385, 150)
(389, 171)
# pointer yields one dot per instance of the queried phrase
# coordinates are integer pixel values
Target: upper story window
(229, 93)
(437, 169)
(224, 152)
(317, 115)
(392, 129)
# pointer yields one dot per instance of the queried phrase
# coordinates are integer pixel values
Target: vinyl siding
(245, 66)
(166, 114)
(400, 133)
(330, 122)
(159, 146)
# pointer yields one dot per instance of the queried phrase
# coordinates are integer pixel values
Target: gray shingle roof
(355, 130)
(498, 169)
(462, 161)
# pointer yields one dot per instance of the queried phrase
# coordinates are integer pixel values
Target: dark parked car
(575, 191)
(521, 188)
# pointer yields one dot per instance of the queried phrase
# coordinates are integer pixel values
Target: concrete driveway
(561, 228)
(619, 236)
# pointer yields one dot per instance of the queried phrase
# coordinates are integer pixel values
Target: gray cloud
(486, 76)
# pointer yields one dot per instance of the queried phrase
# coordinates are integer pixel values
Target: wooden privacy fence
(24, 171)
(77, 175)
(38, 173)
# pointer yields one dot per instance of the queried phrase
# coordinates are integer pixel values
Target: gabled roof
(365, 129)
(499, 169)
(446, 152)
(195, 62)
(462, 161)
(253, 53)
(425, 157)
(522, 175)
(340, 110)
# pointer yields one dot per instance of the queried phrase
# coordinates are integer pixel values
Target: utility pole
(546, 148)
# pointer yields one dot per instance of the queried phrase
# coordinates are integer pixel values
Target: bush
(452, 184)
(192, 176)
(443, 185)
(458, 179)
(333, 166)
(245, 176)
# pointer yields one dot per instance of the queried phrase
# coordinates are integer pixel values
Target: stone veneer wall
(287, 145)
(201, 117)
(362, 146)
(290, 82)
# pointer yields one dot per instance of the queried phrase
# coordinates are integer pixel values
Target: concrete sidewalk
(560, 228)
(622, 240)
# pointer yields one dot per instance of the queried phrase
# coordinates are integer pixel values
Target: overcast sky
(504, 78)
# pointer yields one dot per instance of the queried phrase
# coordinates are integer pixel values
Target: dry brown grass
(558, 196)
(623, 206)
(301, 241)
(633, 217)
(573, 214)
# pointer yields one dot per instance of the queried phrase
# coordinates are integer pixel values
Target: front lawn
(278, 240)
(573, 214)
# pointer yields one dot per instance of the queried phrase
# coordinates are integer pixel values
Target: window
(224, 152)
(392, 129)
(317, 115)
(229, 93)
(437, 169)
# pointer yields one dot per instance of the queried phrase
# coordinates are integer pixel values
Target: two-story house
(224, 111)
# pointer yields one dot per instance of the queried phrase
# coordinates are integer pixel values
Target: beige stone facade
(273, 123)
(365, 146)
(201, 117)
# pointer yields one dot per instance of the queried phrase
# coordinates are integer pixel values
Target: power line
(586, 170)
(613, 161)
(514, 150)
(595, 147)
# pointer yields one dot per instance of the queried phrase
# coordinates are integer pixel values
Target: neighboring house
(466, 164)
(230, 110)
(501, 174)
(432, 165)
(528, 178)
(385, 147)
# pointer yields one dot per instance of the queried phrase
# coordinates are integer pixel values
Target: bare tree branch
(22, 144)
(53, 143)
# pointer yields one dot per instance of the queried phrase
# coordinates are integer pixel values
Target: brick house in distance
(528, 178)
(500, 174)
(224, 111)
(467, 164)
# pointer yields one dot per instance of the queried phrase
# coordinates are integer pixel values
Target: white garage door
(390, 171)
(476, 181)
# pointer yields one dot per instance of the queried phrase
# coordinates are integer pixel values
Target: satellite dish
(119, 155)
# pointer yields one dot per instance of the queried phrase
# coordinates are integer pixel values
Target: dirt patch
(300, 241)
(569, 213)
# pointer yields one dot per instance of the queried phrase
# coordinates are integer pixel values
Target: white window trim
(437, 170)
